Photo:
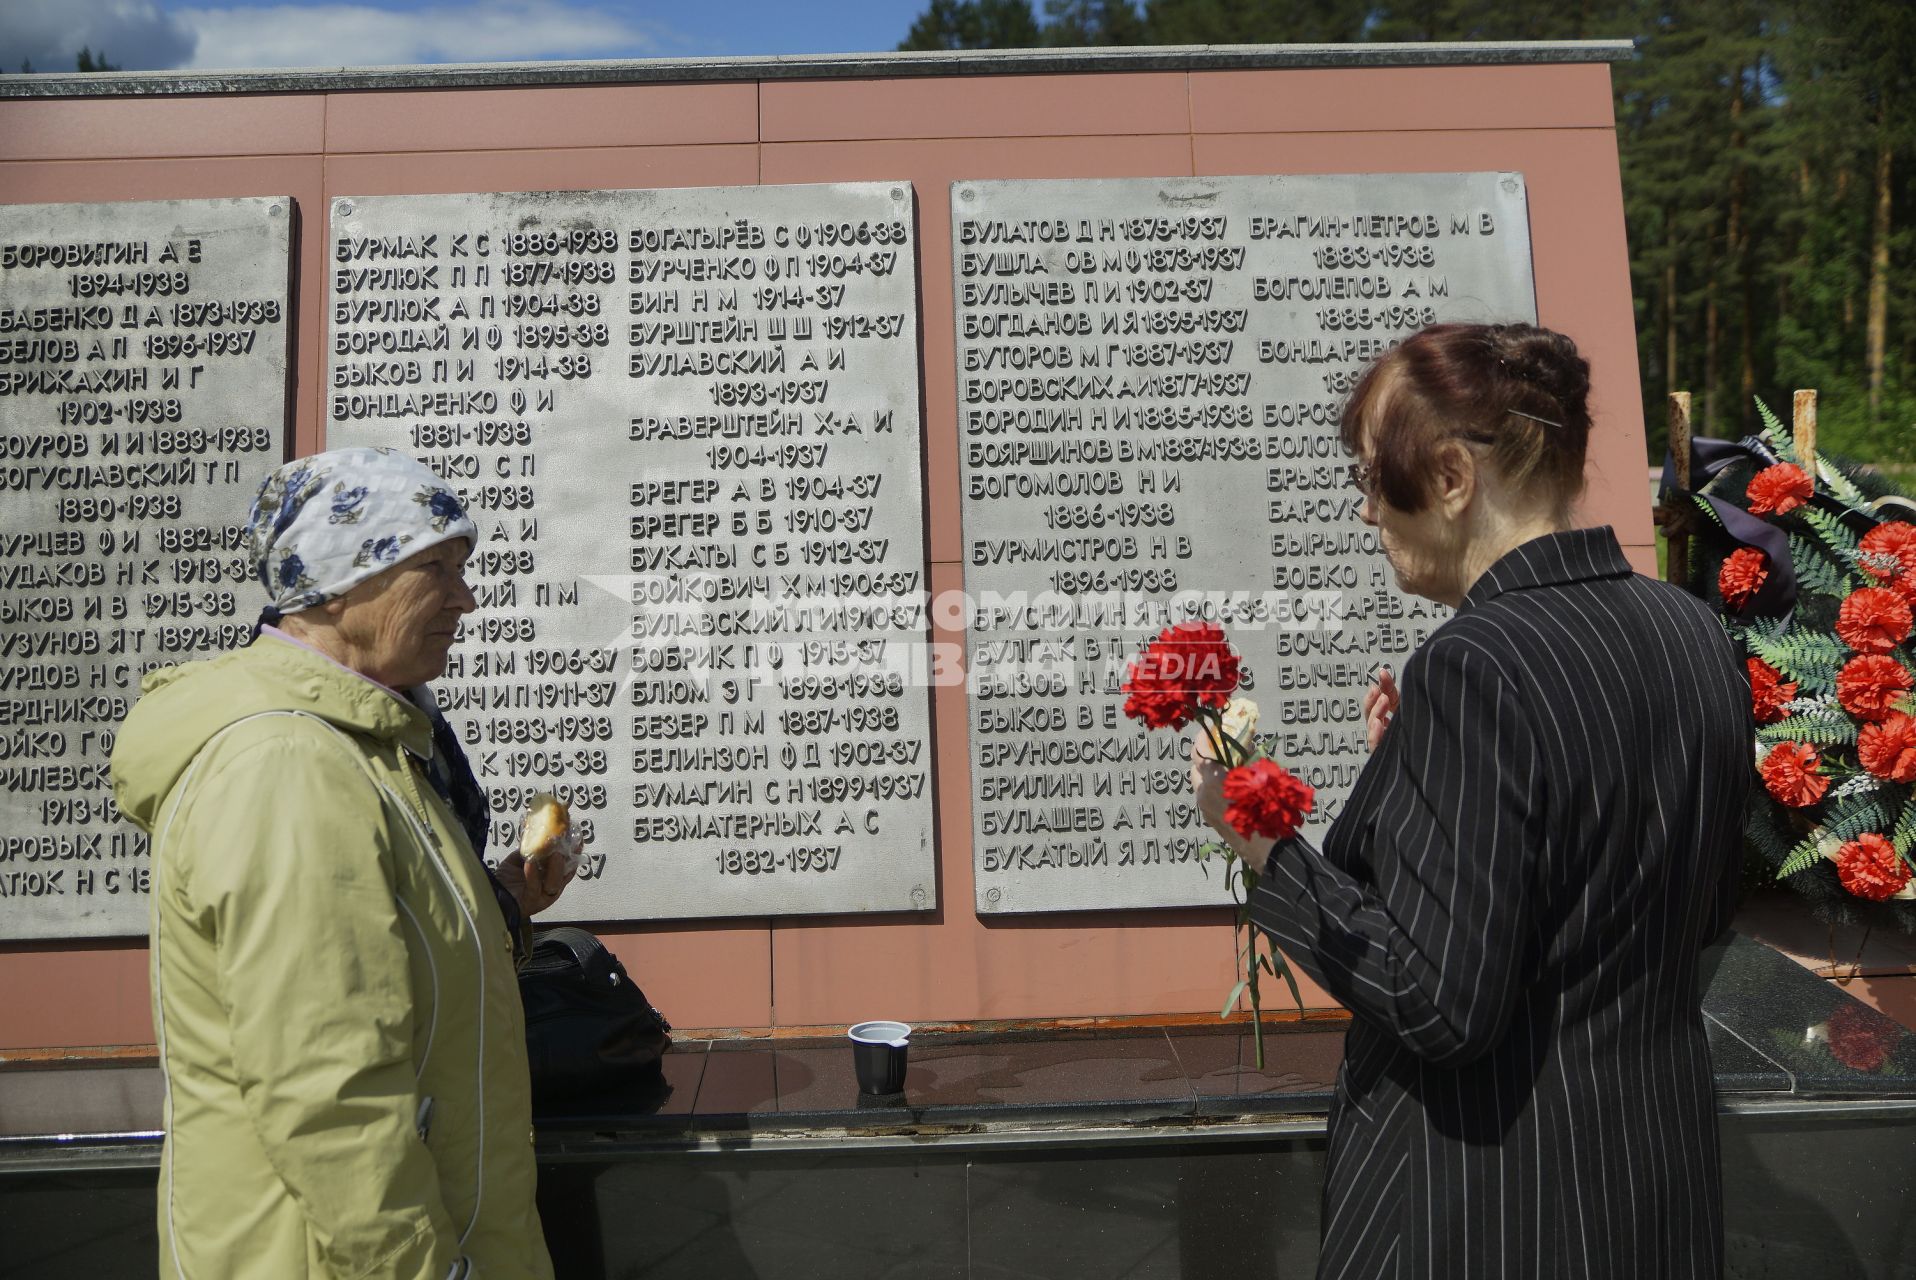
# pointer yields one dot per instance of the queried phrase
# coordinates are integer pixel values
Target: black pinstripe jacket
(1512, 906)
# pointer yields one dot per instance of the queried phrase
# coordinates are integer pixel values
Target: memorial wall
(1150, 376)
(687, 424)
(821, 507)
(143, 398)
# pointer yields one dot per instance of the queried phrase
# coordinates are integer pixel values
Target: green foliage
(1780, 437)
(1824, 728)
(1801, 858)
(1832, 533)
(86, 61)
(1844, 824)
(1815, 571)
(1253, 21)
(1810, 658)
(974, 24)
(1904, 836)
(1758, 140)
(1085, 23)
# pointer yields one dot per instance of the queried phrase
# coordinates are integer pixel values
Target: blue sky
(224, 34)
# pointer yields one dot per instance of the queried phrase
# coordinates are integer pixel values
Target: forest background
(1769, 175)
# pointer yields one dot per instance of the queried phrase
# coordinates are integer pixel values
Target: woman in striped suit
(1548, 831)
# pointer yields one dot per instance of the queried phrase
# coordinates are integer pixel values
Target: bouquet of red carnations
(1187, 675)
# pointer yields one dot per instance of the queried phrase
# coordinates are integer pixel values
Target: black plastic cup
(878, 1055)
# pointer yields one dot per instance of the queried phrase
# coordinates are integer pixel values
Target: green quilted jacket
(333, 988)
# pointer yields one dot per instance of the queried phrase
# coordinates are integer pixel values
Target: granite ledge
(833, 66)
(1778, 1036)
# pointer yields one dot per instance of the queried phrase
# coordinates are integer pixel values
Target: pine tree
(1085, 23)
(974, 24)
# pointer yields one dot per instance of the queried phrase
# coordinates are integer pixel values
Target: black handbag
(590, 1031)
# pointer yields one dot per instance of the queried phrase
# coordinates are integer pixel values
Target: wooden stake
(1675, 528)
(1803, 430)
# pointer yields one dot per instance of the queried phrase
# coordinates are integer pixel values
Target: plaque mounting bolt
(918, 895)
(1510, 185)
(992, 895)
(275, 209)
(344, 208)
(964, 193)
(898, 193)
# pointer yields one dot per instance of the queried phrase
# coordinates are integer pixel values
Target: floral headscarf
(322, 525)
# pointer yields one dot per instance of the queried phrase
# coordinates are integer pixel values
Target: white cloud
(133, 34)
(358, 35)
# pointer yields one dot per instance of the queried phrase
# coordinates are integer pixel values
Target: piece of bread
(546, 824)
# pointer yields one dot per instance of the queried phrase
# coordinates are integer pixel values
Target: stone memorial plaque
(686, 422)
(1150, 375)
(142, 400)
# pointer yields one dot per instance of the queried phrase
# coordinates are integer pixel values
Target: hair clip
(1548, 422)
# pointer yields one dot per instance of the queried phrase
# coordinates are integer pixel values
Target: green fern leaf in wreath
(1702, 504)
(1833, 533)
(1816, 571)
(1869, 814)
(1809, 658)
(1837, 481)
(1801, 858)
(1904, 837)
(1776, 433)
(1823, 730)
(1800, 648)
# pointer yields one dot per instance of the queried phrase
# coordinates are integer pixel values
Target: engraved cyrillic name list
(142, 400)
(686, 423)
(1150, 376)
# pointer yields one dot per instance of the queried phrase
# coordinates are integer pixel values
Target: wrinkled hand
(1380, 704)
(1207, 784)
(559, 865)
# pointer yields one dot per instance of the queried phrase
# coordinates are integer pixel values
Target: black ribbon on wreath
(1709, 459)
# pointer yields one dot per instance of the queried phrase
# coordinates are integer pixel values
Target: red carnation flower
(1266, 800)
(1869, 867)
(1741, 576)
(1189, 665)
(1888, 749)
(1770, 694)
(1789, 771)
(1889, 556)
(1779, 489)
(1869, 684)
(1873, 620)
(1860, 1037)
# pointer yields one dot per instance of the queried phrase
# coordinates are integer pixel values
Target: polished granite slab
(1137, 1155)
(1829, 1044)
(1774, 1030)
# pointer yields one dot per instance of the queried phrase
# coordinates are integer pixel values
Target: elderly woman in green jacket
(332, 966)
